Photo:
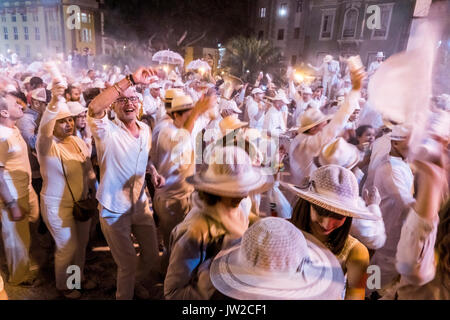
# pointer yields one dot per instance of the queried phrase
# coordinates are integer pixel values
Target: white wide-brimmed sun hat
(311, 118)
(280, 96)
(400, 132)
(380, 54)
(76, 108)
(64, 111)
(181, 102)
(335, 189)
(230, 123)
(230, 174)
(339, 152)
(257, 90)
(277, 261)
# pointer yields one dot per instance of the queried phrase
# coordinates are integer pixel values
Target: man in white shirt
(329, 70)
(256, 109)
(395, 182)
(302, 104)
(376, 64)
(319, 97)
(123, 147)
(153, 105)
(18, 200)
(315, 132)
(275, 118)
(174, 160)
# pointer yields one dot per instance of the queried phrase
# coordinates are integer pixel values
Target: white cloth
(369, 116)
(255, 116)
(370, 232)
(153, 106)
(274, 122)
(14, 159)
(380, 148)
(123, 161)
(394, 180)
(174, 161)
(305, 147)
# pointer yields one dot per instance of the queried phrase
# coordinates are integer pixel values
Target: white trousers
(117, 228)
(16, 238)
(71, 238)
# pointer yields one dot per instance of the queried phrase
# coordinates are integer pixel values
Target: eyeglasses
(124, 101)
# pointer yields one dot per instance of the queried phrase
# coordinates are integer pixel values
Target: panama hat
(76, 108)
(311, 118)
(231, 123)
(231, 174)
(327, 58)
(64, 111)
(256, 91)
(39, 94)
(280, 96)
(380, 54)
(181, 102)
(339, 152)
(277, 261)
(400, 132)
(171, 93)
(335, 189)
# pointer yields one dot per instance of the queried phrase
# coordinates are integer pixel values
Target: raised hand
(371, 196)
(143, 75)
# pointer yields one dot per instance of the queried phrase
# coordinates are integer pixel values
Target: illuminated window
(84, 17)
(350, 23)
(283, 9)
(262, 13)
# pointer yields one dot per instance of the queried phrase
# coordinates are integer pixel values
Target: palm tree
(246, 57)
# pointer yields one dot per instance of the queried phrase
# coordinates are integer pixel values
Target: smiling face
(367, 137)
(127, 106)
(64, 128)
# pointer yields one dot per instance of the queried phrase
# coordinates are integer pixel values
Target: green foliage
(254, 55)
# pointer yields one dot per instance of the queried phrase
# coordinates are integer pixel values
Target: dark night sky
(139, 19)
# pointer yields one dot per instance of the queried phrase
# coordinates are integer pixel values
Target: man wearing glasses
(123, 146)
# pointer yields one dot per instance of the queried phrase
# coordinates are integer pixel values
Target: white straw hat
(76, 108)
(311, 118)
(181, 102)
(171, 93)
(339, 152)
(380, 54)
(155, 85)
(257, 90)
(231, 123)
(335, 189)
(400, 132)
(307, 90)
(230, 174)
(280, 96)
(277, 261)
(64, 111)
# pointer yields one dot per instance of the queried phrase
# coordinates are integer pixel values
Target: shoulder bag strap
(64, 172)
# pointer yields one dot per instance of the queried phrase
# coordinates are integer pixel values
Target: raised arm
(100, 103)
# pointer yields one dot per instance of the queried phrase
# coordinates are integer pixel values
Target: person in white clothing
(315, 133)
(123, 147)
(18, 200)
(174, 160)
(329, 70)
(276, 117)
(82, 130)
(302, 104)
(153, 108)
(376, 64)
(256, 109)
(67, 176)
(395, 181)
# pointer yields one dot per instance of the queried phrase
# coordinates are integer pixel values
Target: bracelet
(119, 91)
(131, 79)
(10, 203)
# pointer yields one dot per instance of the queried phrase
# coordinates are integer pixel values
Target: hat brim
(233, 188)
(180, 108)
(306, 128)
(339, 207)
(321, 279)
(349, 166)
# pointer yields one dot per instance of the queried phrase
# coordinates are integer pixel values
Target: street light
(282, 11)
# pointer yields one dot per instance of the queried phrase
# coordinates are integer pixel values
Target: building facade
(307, 30)
(34, 28)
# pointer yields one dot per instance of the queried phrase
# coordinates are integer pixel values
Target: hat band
(333, 196)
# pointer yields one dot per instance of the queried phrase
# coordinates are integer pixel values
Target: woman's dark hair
(301, 218)
(20, 95)
(359, 132)
(208, 198)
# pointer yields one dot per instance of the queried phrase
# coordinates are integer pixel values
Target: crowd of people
(230, 190)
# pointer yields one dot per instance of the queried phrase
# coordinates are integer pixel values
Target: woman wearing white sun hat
(276, 261)
(216, 220)
(328, 202)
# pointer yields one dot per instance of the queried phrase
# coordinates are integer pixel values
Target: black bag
(85, 209)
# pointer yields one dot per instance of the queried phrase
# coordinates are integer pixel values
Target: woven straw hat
(76, 108)
(64, 111)
(311, 118)
(335, 189)
(339, 152)
(171, 93)
(230, 174)
(231, 123)
(277, 261)
(181, 102)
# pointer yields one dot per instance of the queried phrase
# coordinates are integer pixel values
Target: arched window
(350, 23)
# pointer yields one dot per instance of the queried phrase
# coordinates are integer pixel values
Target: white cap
(400, 132)
(75, 107)
(257, 90)
(39, 94)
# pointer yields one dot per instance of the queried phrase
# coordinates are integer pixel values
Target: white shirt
(394, 180)
(374, 67)
(153, 106)
(252, 111)
(380, 148)
(174, 160)
(370, 232)
(14, 160)
(305, 147)
(123, 160)
(274, 121)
